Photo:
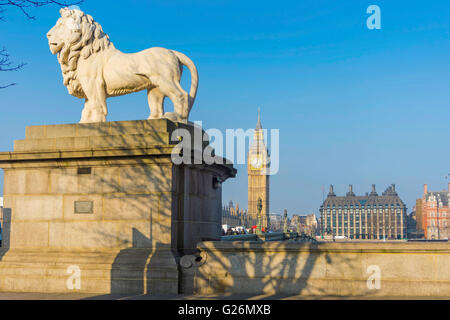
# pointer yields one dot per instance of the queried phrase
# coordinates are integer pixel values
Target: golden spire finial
(258, 124)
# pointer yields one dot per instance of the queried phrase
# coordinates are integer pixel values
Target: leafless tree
(7, 65)
(25, 6)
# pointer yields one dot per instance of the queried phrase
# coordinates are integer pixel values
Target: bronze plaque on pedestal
(83, 207)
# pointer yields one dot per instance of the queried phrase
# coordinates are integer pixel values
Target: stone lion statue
(93, 69)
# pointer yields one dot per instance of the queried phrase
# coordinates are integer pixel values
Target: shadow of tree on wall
(277, 270)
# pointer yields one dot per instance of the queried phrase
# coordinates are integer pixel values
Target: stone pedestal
(102, 208)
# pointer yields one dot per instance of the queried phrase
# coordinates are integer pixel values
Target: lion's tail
(194, 75)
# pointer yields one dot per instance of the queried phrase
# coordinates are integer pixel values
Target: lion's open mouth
(55, 47)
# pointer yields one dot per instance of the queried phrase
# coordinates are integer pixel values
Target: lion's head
(75, 34)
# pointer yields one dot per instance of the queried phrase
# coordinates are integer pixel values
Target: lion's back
(156, 55)
(156, 60)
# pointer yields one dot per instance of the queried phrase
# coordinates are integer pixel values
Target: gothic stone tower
(258, 176)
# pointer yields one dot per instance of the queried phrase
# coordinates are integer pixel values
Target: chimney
(350, 191)
(425, 189)
(373, 193)
(448, 187)
(393, 187)
(331, 193)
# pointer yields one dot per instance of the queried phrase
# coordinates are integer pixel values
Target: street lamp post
(259, 207)
(437, 217)
(285, 221)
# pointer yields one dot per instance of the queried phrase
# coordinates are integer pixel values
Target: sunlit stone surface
(107, 198)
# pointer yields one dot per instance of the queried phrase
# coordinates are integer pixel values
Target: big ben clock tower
(258, 176)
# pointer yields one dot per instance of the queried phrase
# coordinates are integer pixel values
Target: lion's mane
(92, 40)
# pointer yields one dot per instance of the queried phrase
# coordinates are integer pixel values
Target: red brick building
(433, 213)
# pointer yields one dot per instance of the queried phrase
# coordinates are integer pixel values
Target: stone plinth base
(132, 271)
(105, 198)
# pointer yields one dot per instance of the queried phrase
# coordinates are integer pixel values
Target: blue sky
(354, 106)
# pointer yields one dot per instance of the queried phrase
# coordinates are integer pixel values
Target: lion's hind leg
(179, 98)
(155, 103)
(183, 106)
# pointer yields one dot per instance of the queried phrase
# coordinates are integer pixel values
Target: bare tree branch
(5, 62)
(24, 5)
(8, 85)
(7, 65)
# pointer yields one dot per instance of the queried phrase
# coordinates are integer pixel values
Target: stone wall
(105, 198)
(337, 269)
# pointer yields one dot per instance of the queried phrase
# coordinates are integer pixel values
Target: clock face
(256, 162)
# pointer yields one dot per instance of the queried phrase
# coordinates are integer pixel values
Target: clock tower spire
(258, 176)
